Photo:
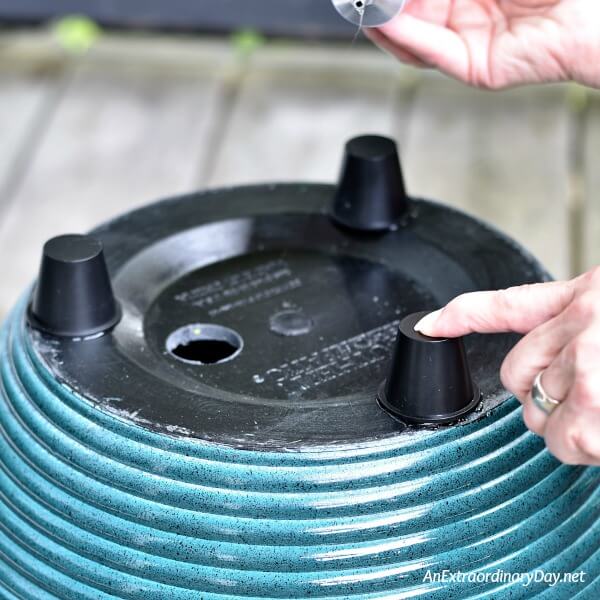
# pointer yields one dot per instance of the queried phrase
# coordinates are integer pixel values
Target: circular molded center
(316, 326)
(290, 322)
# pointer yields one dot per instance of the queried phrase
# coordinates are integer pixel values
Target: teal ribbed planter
(98, 503)
(93, 507)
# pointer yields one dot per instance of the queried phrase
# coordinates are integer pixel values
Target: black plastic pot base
(317, 308)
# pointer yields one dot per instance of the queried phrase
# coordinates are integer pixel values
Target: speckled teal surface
(94, 507)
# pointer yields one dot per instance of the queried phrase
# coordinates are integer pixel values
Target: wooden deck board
(119, 139)
(296, 109)
(501, 156)
(23, 100)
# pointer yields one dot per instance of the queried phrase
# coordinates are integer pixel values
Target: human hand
(561, 321)
(495, 44)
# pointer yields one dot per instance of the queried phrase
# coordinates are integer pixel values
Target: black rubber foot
(370, 196)
(430, 380)
(73, 297)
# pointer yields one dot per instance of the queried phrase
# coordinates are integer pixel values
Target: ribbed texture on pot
(94, 507)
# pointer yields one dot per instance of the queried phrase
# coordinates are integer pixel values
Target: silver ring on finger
(541, 398)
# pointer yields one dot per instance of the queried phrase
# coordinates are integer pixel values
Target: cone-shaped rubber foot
(430, 380)
(73, 297)
(371, 196)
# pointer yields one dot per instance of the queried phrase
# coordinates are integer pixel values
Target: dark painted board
(311, 18)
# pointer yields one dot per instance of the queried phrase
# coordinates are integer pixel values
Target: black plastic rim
(352, 288)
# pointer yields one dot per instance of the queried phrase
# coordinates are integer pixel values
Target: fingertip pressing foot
(426, 325)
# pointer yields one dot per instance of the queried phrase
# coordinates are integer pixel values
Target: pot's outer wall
(94, 504)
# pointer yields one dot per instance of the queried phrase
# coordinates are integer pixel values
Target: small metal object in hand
(369, 13)
(541, 399)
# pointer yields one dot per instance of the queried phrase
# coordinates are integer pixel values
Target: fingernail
(426, 324)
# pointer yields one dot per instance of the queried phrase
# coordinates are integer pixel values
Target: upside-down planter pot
(222, 396)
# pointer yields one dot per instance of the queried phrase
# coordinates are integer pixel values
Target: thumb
(432, 44)
(518, 309)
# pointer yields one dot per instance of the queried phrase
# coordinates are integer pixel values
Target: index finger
(518, 309)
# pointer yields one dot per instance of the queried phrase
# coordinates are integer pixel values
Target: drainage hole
(201, 344)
